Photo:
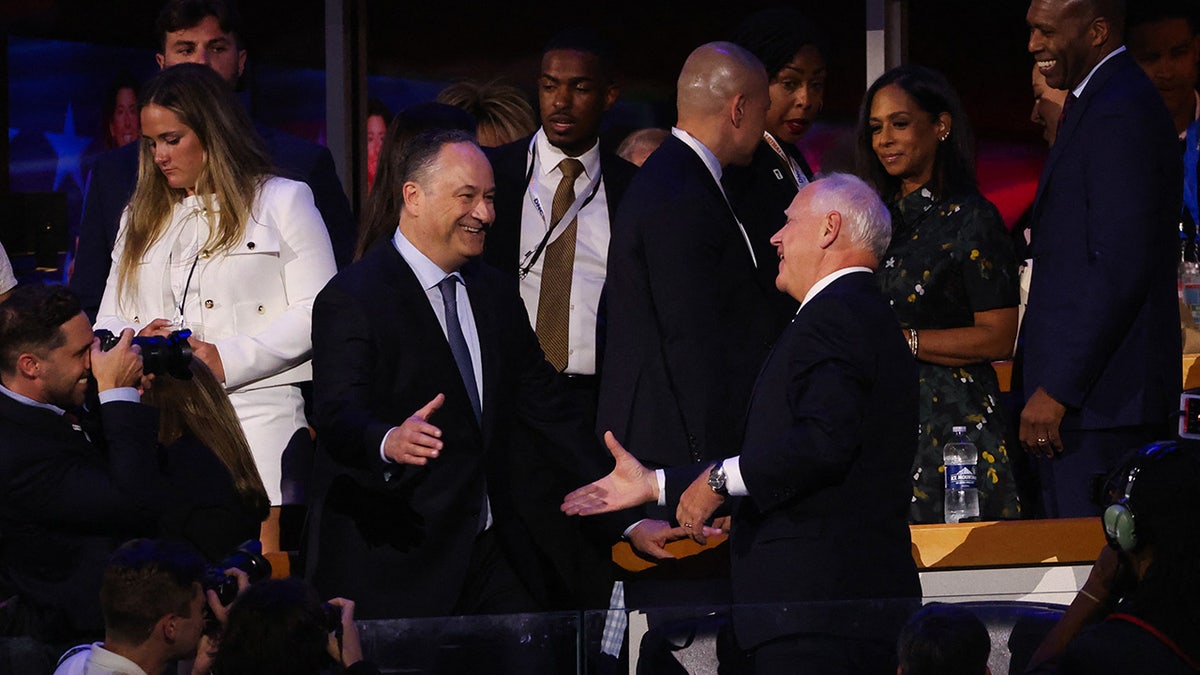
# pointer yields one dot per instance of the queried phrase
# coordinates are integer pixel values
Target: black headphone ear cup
(1119, 527)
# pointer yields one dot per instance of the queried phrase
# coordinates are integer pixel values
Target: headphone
(1120, 518)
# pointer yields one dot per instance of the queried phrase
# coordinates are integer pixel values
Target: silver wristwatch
(716, 480)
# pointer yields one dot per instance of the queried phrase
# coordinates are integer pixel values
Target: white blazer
(255, 300)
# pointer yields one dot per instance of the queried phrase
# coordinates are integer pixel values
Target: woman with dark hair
(280, 627)
(382, 213)
(218, 497)
(793, 52)
(951, 274)
(378, 119)
(213, 242)
(121, 123)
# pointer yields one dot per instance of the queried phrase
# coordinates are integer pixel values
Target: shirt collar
(710, 160)
(824, 282)
(1078, 90)
(549, 155)
(20, 398)
(429, 275)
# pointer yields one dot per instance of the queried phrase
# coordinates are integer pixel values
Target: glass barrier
(667, 640)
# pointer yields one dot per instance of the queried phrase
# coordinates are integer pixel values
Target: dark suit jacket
(397, 538)
(760, 192)
(830, 438)
(688, 319)
(114, 177)
(66, 504)
(205, 509)
(573, 578)
(1101, 331)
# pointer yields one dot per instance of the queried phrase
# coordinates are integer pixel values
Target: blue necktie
(458, 343)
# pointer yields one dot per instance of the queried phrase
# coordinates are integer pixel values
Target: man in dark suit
(824, 459)
(208, 32)
(423, 360)
(1100, 341)
(70, 497)
(576, 87)
(688, 318)
(561, 287)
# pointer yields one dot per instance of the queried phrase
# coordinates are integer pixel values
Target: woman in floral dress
(951, 275)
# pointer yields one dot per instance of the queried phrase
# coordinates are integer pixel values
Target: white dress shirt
(591, 246)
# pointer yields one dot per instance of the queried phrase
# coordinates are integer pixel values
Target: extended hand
(629, 484)
(696, 506)
(1040, 421)
(416, 441)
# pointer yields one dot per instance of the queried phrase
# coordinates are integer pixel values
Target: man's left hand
(1040, 422)
(696, 506)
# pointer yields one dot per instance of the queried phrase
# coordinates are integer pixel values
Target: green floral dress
(947, 260)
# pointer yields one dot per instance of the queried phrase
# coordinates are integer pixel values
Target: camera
(171, 355)
(248, 558)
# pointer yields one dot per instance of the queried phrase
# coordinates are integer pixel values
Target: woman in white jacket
(214, 243)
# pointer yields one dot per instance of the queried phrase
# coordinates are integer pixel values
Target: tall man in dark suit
(208, 32)
(824, 458)
(688, 318)
(1099, 345)
(423, 360)
(559, 263)
(69, 497)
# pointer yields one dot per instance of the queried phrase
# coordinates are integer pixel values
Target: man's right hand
(630, 484)
(416, 441)
(118, 367)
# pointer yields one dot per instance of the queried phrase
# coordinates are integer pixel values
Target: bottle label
(960, 477)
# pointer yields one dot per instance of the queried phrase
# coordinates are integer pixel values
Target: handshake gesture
(631, 484)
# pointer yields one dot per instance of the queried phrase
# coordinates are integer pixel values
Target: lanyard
(797, 175)
(582, 200)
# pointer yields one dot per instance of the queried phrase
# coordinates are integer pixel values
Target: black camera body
(248, 558)
(171, 355)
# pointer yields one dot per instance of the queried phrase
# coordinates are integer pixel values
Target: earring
(944, 137)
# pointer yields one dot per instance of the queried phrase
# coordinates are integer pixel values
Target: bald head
(714, 73)
(722, 100)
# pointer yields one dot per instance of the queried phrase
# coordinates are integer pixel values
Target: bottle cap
(958, 430)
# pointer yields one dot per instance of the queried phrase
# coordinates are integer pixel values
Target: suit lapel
(408, 293)
(1066, 135)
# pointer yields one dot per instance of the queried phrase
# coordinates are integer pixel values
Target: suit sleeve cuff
(382, 444)
(126, 394)
(734, 483)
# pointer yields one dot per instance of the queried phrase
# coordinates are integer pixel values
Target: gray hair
(864, 217)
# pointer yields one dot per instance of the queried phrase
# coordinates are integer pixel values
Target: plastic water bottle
(960, 458)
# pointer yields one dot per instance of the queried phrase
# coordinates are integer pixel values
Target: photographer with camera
(73, 488)
(153, 603)
(280, 627)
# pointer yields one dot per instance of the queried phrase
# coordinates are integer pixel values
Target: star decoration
(69, 149)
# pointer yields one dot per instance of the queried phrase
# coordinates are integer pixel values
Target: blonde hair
(236, 163)
(500, 110)
(199, 407)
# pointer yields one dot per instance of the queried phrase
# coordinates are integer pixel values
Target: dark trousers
(1069, 480)
(491, 586)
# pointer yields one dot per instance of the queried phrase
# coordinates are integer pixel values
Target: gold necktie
(554, 300)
